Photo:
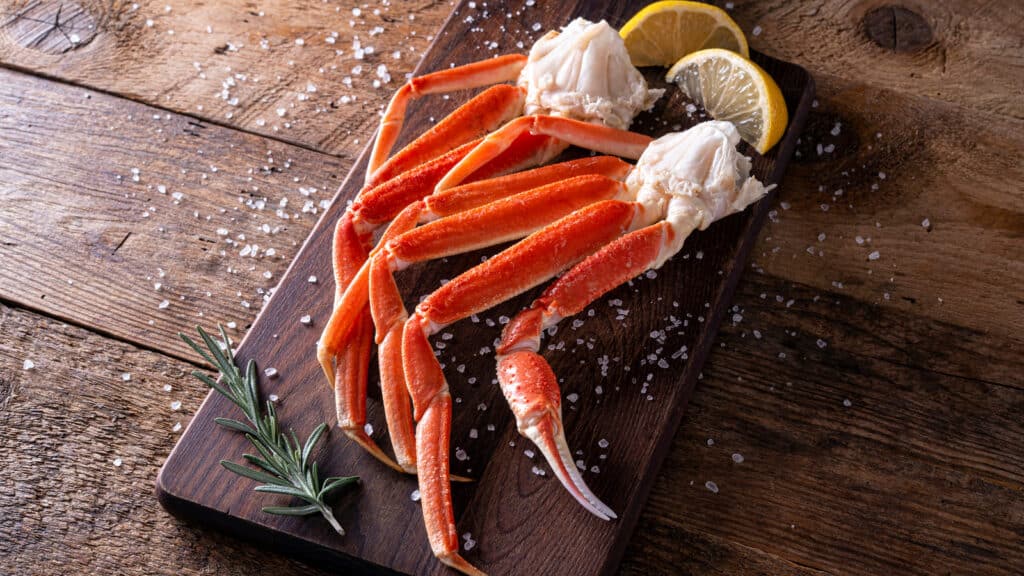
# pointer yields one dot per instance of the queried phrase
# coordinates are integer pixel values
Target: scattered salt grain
(847, 402)
(270, 372)
(926, 224)
(822, 344)
(163, 304)
(167, 388)
(874, 255)
(461, 455)
(299, 42)
(28, 365)
(126, 377)
(737, 458)
(529, 453)
(711, 442)
(711, 486)
(756, 31)
(368, 428)
(176, 427)
(414, 496)
(117, 462)
(306, 320)
(602, 443)
(538, 471)
(176, 405)
(312, 279)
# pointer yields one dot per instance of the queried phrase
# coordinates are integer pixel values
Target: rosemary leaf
(292, 510)
(283, 464)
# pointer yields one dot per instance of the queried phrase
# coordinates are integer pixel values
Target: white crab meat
(692, 179)
(584, 73)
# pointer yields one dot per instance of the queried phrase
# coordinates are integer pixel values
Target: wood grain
(81, 239)
(974, 56)
(500, 510)
(929, 189)
(66, 506)
(234, 62)
(912, 471)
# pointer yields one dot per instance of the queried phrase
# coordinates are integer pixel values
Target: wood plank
(66, 506)
(500, 509)
(232, 62)
(81, 239)
(964, 52)
(931, 190)
(919, 474)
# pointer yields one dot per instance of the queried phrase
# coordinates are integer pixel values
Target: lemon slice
(664, 32)
(731, 87)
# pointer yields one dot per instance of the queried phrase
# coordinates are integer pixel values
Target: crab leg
(591, 136)
(480, 115)
(389, 315)
(475, 75)
(481, 192)
(534, 260)
(529, 384)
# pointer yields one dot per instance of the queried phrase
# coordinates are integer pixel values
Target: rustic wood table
(862, 413)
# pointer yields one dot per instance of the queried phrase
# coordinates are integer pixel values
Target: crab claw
(531, 388)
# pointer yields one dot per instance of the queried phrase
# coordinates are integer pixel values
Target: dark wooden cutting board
(627, 373)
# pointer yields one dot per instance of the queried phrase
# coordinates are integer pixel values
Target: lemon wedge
(664, 32)
(731, 87)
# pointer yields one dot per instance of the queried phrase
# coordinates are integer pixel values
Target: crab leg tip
(550, 438)
(360, 437)
(459, 563)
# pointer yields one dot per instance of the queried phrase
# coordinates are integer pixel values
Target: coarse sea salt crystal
(167, 388)
(176, 405)
(368, 428)
(126, 377)
(926, 223)
(414, 496)
(602, 443)
(847, 402)
(28, 365)
(163, 304)
(874, 255)
(270, 372)
(176, 427)
(306, 320)
(711, 486)
(117, 462)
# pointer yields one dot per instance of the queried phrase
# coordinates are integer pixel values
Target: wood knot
(50, 26)
(898, 29)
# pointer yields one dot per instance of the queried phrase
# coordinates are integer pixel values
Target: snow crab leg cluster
(599, 220)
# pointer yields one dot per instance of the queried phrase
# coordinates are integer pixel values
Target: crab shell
(585, 73)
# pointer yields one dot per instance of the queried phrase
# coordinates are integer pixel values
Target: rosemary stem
(329, 515)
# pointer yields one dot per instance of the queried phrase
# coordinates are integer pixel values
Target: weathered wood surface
(140, 260)
(907, 363)
(232, 62)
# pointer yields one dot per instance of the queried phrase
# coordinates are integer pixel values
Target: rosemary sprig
(283, 463)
